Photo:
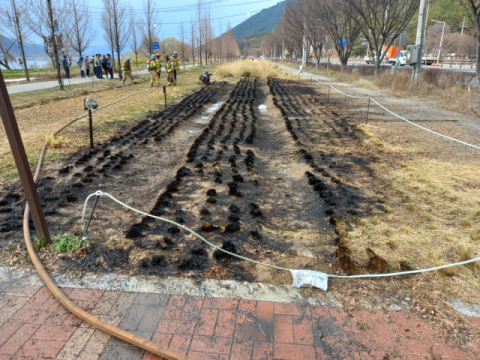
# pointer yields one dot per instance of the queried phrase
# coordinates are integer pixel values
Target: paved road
(15, 89)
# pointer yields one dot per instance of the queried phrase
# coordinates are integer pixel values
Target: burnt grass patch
(330, 170)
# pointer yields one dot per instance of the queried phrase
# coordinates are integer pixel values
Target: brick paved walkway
(34, 325)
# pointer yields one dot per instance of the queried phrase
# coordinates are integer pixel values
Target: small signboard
(365, 43)
(56, 30)
(342, 41)
(90, 103)
(155, 45)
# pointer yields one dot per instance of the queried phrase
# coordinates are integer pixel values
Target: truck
(390, 57)
(402, 59)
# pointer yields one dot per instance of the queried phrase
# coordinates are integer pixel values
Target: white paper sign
(310, 278)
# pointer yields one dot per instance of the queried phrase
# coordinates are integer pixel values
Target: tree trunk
(477, 48)
(120, 76)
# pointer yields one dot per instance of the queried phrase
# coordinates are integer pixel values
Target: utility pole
(20, 39)
(20, 157)
(54, 42)
(463, 25)
(422, 20)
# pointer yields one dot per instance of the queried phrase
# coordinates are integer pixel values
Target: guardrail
(461, 62)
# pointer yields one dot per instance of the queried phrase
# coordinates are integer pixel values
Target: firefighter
(159, 69)
(205, 78)
(154, 65)
(169, 66)
(177, 65)
(127, 70)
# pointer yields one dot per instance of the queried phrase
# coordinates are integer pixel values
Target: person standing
(92, 66)
(105, 66)
(87, 66)
(154, 65)
(169, 67)
(110, 65)
(81, 65)
(98, 66)
(127, 70)
(177, 65)
(66, 67)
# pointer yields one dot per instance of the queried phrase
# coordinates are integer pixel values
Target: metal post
(165, 95)
(20, 157)
(328, 96)
(422, 20)
(90, 125)
(368, 108)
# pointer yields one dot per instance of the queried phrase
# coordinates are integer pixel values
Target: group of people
(97, 64)
(172, 65)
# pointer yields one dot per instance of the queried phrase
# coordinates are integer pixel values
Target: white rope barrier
(300, 277)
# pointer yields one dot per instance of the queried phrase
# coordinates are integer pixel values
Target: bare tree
(42, 17)
(14, 26)
(81, 35)
(115, 19)
(473, 11)
(135, 40)
(383, 21)
(182, 36)
(342, 24)
(149, 27)
(7, 54)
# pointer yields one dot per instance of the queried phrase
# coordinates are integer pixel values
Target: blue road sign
(364, 43)
(342, 41)
(155, 45)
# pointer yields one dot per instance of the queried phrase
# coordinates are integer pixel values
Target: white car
(402, 59)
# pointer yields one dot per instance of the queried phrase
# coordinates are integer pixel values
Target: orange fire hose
(74, 308)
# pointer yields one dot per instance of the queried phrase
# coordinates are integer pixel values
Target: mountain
(32, 51)
(260, 23)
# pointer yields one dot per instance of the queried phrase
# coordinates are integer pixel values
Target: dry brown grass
(37, 121)
(259, 69)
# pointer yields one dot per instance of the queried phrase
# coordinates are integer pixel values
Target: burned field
(262, 168)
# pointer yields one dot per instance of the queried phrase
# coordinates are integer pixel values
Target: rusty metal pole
(90, 125)
(368, 108)
(165, 95)
(20, 157)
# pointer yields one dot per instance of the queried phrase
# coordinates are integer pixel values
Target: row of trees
(340, 24)
(122, 28)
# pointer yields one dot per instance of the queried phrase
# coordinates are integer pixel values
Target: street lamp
(441, 39)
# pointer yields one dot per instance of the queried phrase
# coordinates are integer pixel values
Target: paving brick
(217, 345)
(162, 339)
(284, 329)
(62, 316)
(206, 356)
(21, 290)
(123, 303)
(75, 344)
(180, 344)
(247, 312)
(302, 331)
(105, 304)
(206, 324)
(175, 307)
(225, 323)
(120, 350)
(159, 300)
(192, 308)
(13, 304)
(150, 356)
(242, 350)
(49, 332)
(30, 316)
(133, 317)
(40, 296)
(151, 319)
(20, 337)
(7, 330)
(253, 332)
(291, 309)
(265, 311)
(41, 348)
(94, 346)
(86, 298)
(294, 352)
(262, 350)
(179, 327)
(220, 303)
